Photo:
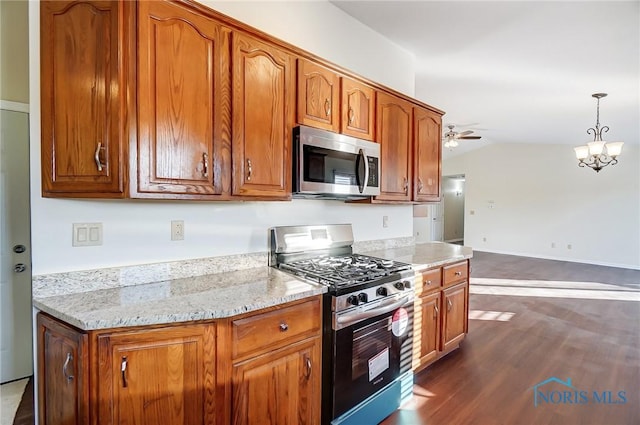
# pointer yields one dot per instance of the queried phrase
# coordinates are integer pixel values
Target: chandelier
(598, 154)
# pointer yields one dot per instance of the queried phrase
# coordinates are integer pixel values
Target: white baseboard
(8, 105)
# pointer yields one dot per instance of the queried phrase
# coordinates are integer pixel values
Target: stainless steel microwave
(331, 165)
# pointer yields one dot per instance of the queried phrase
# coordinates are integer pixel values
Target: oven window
(328, 166)
(371, 349)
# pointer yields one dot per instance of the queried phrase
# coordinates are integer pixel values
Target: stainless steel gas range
(367, 320)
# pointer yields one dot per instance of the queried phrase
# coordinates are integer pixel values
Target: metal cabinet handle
(351, 115)
(123, 369)
(449, 304)
(436, 311)
(65, 366)
(327, 107)
(406, 186)
(96, 157)
(284, 327)
(308, 374)
(205, 161)
(249, 169)
(420, 184)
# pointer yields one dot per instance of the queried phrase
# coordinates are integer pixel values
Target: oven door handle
(349, 319)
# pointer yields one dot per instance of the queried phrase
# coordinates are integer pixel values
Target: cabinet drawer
(428, 281)
(454, 273)
(277, 327)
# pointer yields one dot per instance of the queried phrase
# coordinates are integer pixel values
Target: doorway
(15, 268)
(453, 194)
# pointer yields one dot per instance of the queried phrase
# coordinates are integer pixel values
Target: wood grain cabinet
(258, 368)
(277, 366)
(84, 82)
(393, 132)
(358, 109)
(63, 392)
(427, 155)
(183, 147)
(318, 96)
(334, 102)
(441, 312)
(263, 118)
(158, 376)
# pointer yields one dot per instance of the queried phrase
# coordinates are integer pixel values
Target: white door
(437, 221)
(15, 271)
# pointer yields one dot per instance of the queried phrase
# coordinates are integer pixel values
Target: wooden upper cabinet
(183, 103)
(358, 108)
(63, 393)
(263, 117)
(318, 96)
(426, 155)
(393, 128)
(159, 376)
(83, 85)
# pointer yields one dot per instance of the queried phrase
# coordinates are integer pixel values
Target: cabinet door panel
(62, 372)
(263, 116)
(427, 155)
(427, 333)
(279, 388)
(358, 109)
(157, 376)
(82, 114)
(454, 306)
(318, 96)
(182, 101)
(393, 127)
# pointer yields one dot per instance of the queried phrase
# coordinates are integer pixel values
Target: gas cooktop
(344, 270)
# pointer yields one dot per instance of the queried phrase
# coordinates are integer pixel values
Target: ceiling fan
(451, 137)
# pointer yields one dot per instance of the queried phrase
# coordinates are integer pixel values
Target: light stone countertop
(207, 296)
(426, 255)
(180, 300)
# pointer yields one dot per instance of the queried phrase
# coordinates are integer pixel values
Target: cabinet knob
(284, 327)
(458, 273)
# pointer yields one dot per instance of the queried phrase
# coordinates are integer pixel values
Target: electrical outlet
(385, 221)
(568, 246)
(177, 230)
(484, 239)
(553, 244)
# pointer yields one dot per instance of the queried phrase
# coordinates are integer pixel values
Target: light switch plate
(87, 234)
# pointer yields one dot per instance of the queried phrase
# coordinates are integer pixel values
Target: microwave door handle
(363, 184)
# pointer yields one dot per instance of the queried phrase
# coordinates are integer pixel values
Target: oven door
(371, 353)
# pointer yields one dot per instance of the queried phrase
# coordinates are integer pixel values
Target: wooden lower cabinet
(63, 394)
(279, 388)
(184, 374)
(157, 376)
(441, 312)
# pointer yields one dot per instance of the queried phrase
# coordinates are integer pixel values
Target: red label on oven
(399, 322)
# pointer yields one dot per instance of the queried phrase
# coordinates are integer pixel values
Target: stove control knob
(399, 285)
(382, 291)
(407, 284)
(353, 300)
(363, 297)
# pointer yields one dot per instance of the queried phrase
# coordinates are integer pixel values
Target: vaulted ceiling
(520, 71)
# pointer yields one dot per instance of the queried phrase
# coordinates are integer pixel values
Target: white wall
(522, 198)
(137, 232)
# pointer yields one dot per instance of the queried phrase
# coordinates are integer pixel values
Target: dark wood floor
(490, 379)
